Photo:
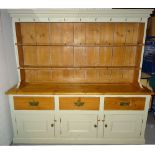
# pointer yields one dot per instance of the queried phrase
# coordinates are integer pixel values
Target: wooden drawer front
(33, 103)
(79, 103)
(112, 103)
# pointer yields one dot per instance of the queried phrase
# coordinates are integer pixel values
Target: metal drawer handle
(33, 103)
(124, 103)
(79, 103)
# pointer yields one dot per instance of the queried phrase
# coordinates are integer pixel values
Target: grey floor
(150, 129)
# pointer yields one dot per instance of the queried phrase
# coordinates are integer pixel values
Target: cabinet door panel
(35, 125)
(122, 125)
(79, 126)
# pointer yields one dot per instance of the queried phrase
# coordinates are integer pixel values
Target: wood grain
(72, 45)
(22, 103)
(132, 103)
(91, 103)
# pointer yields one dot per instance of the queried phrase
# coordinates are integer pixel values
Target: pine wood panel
(80, 56)
(42, 33)
(91, 103)
(107, 33)
(28, 33)
(80, 75)
(124, 103)
(92, 33)
(120, 33)
(79, 45)
(105, 56)
(61, 32)
(30, 55)
(92, 56)
(23, 103)
(43, 56)
(79, 33)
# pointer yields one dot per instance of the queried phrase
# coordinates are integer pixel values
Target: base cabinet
(79, 125)
(34, 125)
(123, 125)
(83, 126)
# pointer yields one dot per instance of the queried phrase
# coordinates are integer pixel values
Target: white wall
(8, 76)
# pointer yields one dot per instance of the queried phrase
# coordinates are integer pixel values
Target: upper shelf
(78, 45)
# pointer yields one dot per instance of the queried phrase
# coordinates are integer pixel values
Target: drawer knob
(106, 125)
(124, 103)
(52, 125)
(33, 103)
(95, 126)
(78, 103)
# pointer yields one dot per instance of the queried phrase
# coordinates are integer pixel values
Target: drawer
(121, 103)
(79, 103)
(33, 103)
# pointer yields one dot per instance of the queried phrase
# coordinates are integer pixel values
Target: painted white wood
(79, 141)
(38, 124)
(122, 126)
(79, 126)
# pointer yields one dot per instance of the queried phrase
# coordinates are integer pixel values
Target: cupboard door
(35, 124)
(122, 125)
(78, 126)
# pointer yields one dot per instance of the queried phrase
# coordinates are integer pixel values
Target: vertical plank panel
(56, 33)
(28, 33)
(44, 75)
(92, 33)
(31, 75)
(61, 32)
(141, 33)
(79, 56)
(130, 56)
(106, 33)
(68, 75)
(105, 75)
(57, 75)
(105, 56)
(128, 75)
(43, 54)
(68, 31)
(42, 33)
(118, 58)
(67, 56)
(79, 74)
(116, 76)
(79, 33)
(120, 33)
(131, 33)
(92, 75)
(92, 56)
(56, 55)
(30, 55)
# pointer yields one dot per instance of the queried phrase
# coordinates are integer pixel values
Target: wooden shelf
(78, 67)
(79, 45)
(77, 89)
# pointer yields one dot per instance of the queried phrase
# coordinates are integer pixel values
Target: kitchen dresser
(79, 76)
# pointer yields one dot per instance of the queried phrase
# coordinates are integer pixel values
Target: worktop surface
(75, 89)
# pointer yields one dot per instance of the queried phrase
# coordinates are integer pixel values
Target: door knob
(95, 126)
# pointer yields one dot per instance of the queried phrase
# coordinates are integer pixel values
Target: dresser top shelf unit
(94, 57)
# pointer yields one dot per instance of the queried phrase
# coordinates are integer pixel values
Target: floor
(150, 129)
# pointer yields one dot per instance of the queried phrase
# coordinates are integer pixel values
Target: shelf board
(77, 89)
(78, 67)
(78, 45)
